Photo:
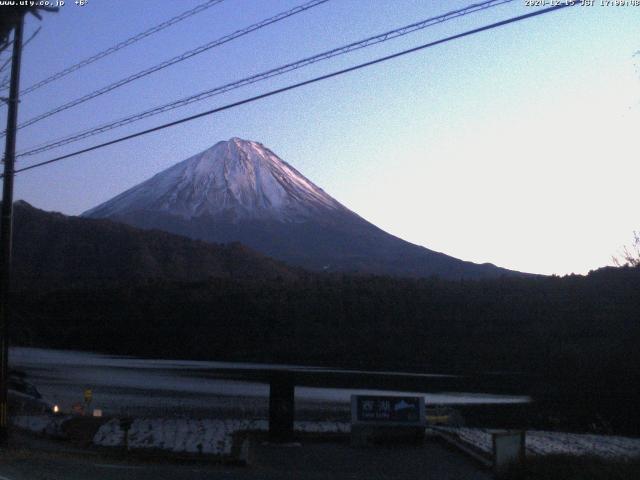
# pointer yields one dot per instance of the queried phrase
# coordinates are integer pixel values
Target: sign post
(379, 418)
(88, 397)
(281, 407)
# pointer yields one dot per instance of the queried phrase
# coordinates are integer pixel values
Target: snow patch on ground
(205, 436)
(215, 437)
(557, 443)
(44, 424)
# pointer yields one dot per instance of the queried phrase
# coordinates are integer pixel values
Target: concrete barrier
(508, 448)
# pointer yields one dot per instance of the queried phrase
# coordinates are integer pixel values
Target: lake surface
(152, 387)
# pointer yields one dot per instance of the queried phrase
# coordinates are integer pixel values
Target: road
(30, 458)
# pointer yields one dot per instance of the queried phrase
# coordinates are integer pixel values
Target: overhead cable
(173, 61)
(383, 37)
(300, 84)
(125, 43)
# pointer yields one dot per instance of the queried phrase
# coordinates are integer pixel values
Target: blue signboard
(387, 410)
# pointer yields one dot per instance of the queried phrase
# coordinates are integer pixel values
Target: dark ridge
(52, 250)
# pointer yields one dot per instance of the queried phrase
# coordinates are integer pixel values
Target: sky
(516, 146)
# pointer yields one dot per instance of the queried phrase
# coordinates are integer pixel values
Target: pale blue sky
(516, 146)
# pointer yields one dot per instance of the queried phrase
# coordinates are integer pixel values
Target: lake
(157, 387)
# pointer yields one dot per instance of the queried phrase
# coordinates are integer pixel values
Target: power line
(301, 84)
(174, 60)
(125, 43)
(8, 61)
(383, 37)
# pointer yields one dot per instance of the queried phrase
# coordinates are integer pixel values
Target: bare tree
(630, 255)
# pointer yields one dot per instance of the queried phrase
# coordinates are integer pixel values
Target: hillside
(570, 342)
(52, 250)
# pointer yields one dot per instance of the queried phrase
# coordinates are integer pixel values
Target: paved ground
(31, 458)
(340, 461)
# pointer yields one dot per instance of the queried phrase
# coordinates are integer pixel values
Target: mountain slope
(237, 180)
(52, 250)
(239, 190)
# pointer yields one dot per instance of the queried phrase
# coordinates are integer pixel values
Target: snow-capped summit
(239, 179)
(240, 190)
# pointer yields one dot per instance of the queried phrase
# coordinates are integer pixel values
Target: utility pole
(6, 223)
(12, 18)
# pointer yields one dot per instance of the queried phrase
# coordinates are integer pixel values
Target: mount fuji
(239, 190)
